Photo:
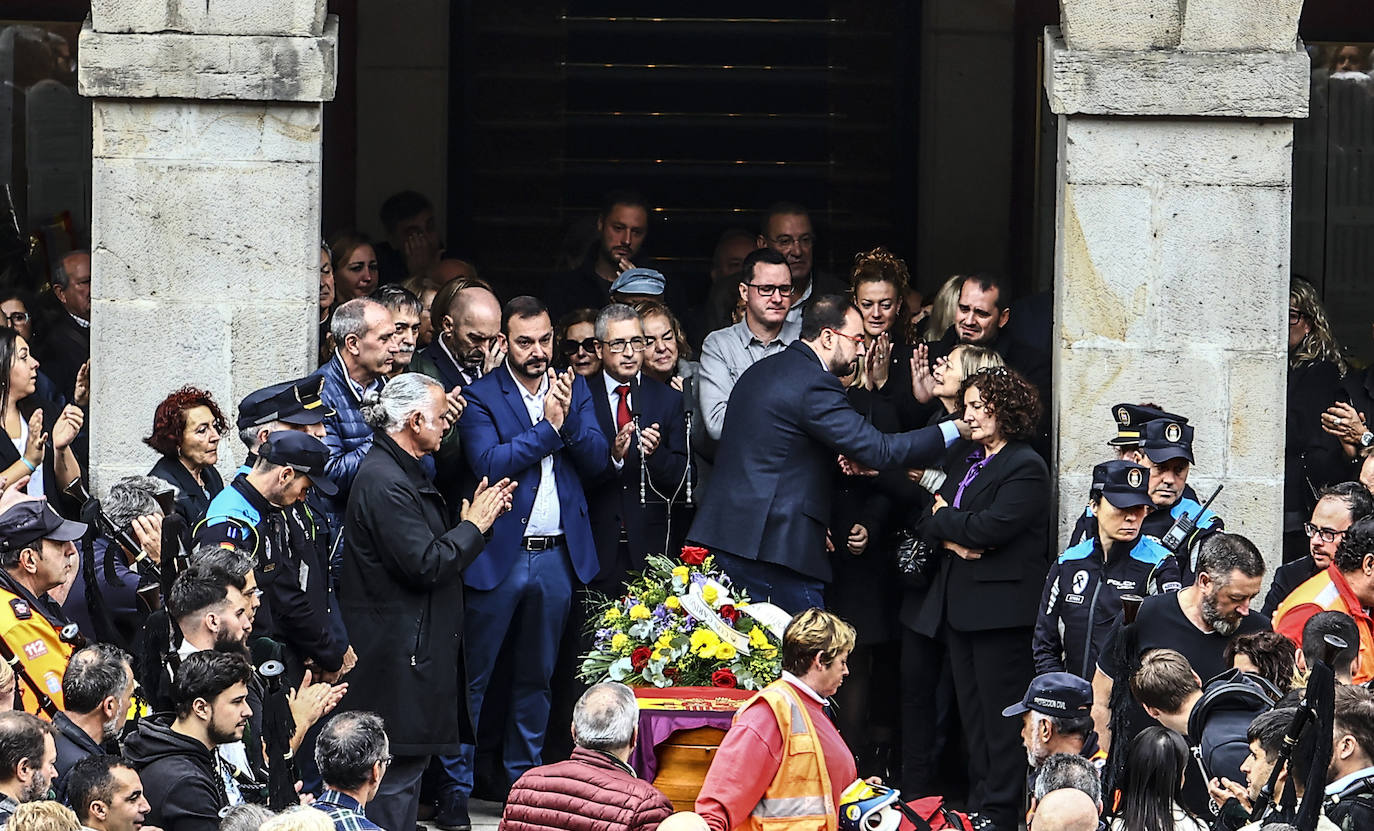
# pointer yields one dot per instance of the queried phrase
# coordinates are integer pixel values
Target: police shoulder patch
(21, 609)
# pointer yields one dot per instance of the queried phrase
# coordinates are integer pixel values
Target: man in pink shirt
(783, 756)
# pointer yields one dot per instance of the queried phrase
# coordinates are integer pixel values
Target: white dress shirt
(545, 517)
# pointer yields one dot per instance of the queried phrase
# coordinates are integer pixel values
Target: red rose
(693, 555)
(671, 673)
(724, 678)
(640, 657)
(730, 613)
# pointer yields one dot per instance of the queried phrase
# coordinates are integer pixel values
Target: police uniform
(34, 630)
(1082, 596)
(1162, 440)
(286, 543)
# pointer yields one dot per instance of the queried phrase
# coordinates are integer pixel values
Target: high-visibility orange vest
(38, 647)
(799, 798)
(1329, 591)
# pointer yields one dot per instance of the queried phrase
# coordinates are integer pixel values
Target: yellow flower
(639, 612)
(665, 641)
(704, 642)
(612, 614)
(681, 573)
(757, 640)
(725, 651)
(709, 593)
(619, 641)
(658, 655)
(672, 602)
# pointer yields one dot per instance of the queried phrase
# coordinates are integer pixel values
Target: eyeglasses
(851, 338)
(618, 346)
(768, 291)
(1294, 316)
(1323, 534)
(18, 317)
(587, 345)
(805, 241)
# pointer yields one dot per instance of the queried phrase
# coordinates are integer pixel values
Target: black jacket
(63, 349)
(191, 500)
(1353, 808)
(180, 777)
(1004, 511)
(1288, 577)
(401, 593)
(73, 745)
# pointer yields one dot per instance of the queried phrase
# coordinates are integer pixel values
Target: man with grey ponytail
(402, 589)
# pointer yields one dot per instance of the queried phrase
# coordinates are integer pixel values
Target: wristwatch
(1367, 439)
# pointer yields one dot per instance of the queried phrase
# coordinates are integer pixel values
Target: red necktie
(622, 411)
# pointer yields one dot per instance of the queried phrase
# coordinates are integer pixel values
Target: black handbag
(917, 559)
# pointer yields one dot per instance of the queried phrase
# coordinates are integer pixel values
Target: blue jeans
(530, 608)
(789, 590)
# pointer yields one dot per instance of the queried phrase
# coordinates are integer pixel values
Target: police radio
(1185, 525)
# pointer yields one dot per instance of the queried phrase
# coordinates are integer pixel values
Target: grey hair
(403, 395)
(133, 497)
(249, 434)
(1076, 726)
(245, 817)
(399, 299)
(605, 716)
(347, 748)
(60, 278)
(1068, 770)
(351, 319)
(614, 313)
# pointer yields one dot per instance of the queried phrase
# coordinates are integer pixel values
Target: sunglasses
(571, 347)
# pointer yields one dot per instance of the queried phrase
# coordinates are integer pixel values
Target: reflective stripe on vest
(799, 796)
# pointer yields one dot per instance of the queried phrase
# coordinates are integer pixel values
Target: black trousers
(991, 671)
(927, 710)
(398, 799)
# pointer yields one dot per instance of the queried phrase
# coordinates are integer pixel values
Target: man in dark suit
(538, 428)
(466, 335)
(67, 343)
(787, 420)
(625, 530)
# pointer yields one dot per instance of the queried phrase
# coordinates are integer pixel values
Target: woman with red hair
(187, 426)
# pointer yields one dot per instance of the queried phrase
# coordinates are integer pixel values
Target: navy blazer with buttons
(787, 420)
(499, 441)
(615, 498)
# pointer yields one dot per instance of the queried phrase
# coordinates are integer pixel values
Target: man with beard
(621, 227)
(107, 795)
(1347, 585)
(27, 754)
(188, 783)
(537, 427)
(97, 688)
(787, 419)
(1056, 717)
(1197, 622)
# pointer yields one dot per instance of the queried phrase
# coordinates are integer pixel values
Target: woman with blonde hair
(944, 308)
(43, 815)
(1313, 458)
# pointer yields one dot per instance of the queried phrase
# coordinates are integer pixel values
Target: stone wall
(206, 208)
(1172, 251)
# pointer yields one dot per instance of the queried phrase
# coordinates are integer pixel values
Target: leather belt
(542, 543)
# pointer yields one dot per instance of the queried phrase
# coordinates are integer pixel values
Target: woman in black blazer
(990, 518)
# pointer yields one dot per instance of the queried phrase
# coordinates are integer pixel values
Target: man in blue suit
(538, 428)
(625, 530)
(787, 420)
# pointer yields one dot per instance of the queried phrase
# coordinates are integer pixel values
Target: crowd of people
(381, 611)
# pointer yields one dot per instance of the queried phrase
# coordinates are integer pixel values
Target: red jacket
(592, 791)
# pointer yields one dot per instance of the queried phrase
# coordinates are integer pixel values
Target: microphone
(687, 414)
(639, 436)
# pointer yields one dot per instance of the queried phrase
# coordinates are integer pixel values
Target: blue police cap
(1123, 483)
(301, 452)
(294, 402)
(1165, 439)
(1131, 420)
(639, 281)
(1055, 694)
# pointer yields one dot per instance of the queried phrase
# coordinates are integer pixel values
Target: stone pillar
(1172, 241)
(206, 206)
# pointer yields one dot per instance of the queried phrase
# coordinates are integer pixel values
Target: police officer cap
(1123, 483)
(301, 452)
(1055, 694)
(1131, 419)
(639, 281)
(33, 520)
(1167, 439)
(294, 402)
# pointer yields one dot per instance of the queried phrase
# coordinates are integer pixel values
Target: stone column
(206, 206)
(1172, 241)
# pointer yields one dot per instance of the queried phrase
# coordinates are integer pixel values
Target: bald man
(1066, 809)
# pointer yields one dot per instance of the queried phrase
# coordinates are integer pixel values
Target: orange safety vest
(1329, 590)
(37, 645)
(799, 798)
